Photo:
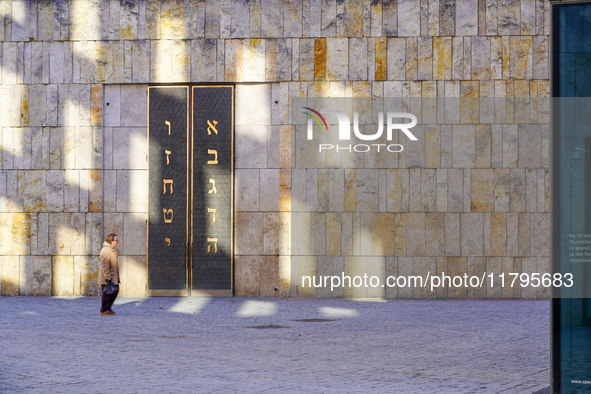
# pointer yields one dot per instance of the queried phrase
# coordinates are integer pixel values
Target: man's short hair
(110, 238)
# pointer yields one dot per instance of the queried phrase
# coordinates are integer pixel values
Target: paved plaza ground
(229, 345)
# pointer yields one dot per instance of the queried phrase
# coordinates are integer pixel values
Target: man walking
(108, 271)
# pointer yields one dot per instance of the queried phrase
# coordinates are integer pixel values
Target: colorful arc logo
(315, 118)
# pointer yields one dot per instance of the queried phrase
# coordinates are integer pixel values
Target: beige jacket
(109, 265)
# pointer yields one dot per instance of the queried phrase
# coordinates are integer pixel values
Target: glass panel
(571, 202)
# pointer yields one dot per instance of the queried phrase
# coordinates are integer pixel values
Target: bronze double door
(190, 190)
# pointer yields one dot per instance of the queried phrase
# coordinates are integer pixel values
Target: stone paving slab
(203, 345)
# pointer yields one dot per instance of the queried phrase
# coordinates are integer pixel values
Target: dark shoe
(107, 313)
(113, 312)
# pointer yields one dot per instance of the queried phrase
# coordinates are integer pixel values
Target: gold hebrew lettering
(167, 182)
(166, 212)
(215, 153)
(167, 153)
(212, 127)
(168, 124)
(215, 244)
(212, 211)
(214, 190)
(167, 240)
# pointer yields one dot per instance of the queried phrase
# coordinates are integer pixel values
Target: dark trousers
(107, 300)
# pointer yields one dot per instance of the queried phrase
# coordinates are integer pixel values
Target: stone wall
(73, 125)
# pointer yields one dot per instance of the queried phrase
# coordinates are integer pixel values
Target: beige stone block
(251, 147)
(300, 233)
(376, 267)
(33, 190)
(269, 276)
(524, 234)
(405, 269)
(512, 234)
(472, 233)
(337, 56)
(521, 53)
(421, 267)
(333, 234)
(203, 60)
(441, 291)
(391, 271)
(366, 195)
(247, 189)
(140, 61)
(132, 98)
(62, 275)
(269, 184)
(396, 59)
(325, 270)
(455, 183)
(253, 112)
(129, 148)
(10, 275)
(63, 191)
(540, 57)
(415, 232)
(483, 146)
(323, 189)
(442, 58)
(233, 59)
(435, 234)
(530, 146)
(457, 266)
(253, 58)
(249, 227)
(137, 276)
(394, 190)
(272, 237)
(441, 190)
(432, 147)
(400, 234)
(502, 190)
(510, 146)
(85, 280)
(383, 234)
(494, 265)
(452, 234)
(336, 194)
(355, 266)
(542, 190)
(428, 190)
(317, 233)
(285, 276)
(517, 190)
(363, 228)
(285, 190)
(463, 146)
(529, 266)
(531, 190)
(307, 267)
(77, 234)
(540, 234)
(425, 58)
(358, 70)
(134, 232)
(410, 24)
(507, 267)
(21, 233)
(481, 182)
(93, 233)
(458, 58)
(499, 234)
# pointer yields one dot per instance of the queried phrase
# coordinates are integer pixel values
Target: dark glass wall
(571, 195)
